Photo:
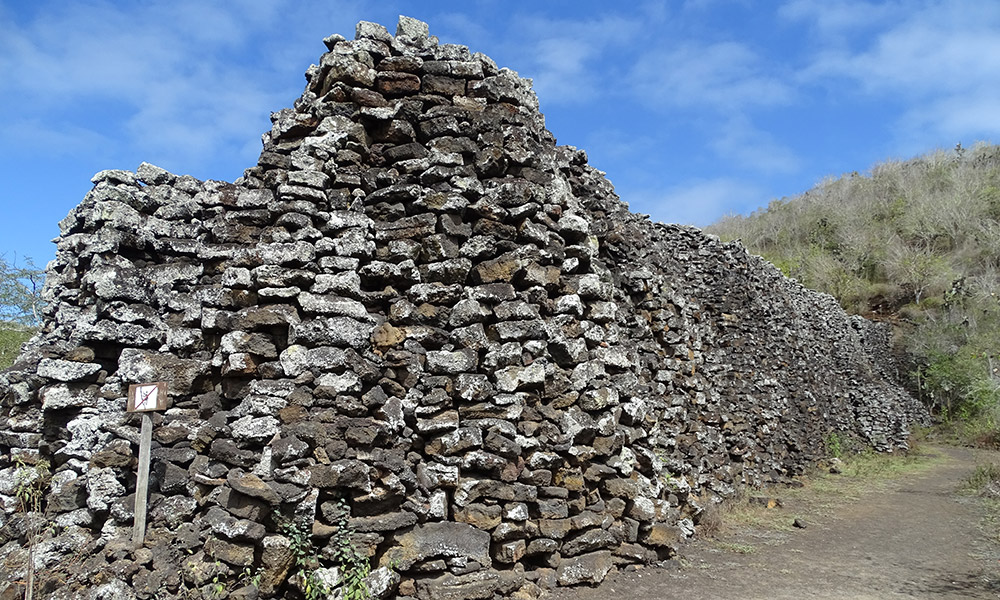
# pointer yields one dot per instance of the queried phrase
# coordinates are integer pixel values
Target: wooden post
(143, 398)
(142, 484)
(29, 592)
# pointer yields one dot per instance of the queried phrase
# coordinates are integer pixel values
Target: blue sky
(693, 108)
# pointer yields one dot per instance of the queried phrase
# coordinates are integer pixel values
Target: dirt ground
(912, 537)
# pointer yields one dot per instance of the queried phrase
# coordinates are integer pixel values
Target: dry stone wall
(419, 324)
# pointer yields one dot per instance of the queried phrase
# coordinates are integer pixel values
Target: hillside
(915, 242)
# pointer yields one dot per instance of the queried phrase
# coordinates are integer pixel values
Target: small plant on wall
(32, 481)
(353, 566)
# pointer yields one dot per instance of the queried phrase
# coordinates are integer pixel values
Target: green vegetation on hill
(11, 338)
(20, 306)
(915, 242)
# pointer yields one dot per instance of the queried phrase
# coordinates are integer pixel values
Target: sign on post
(144, 398)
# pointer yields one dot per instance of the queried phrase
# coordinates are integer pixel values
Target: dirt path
(913, 538)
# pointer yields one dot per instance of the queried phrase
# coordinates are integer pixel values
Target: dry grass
(984, 481)
(738, 523)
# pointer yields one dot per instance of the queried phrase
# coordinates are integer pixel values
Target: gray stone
(347, 284)
(287, 254)
(232, 528)
(367, 29)
(66, 370)
(332, 384)
(437, 540)
(88, 432)
(259, 405)
(255, 429)
(445, 420)
(348, 70)
(114, 176)
(173, 511)
(473, 586)
(513, 378)
(590, 540)
(569, 352)
(335, 331)
(382, 582)
(587, 568)
(112, 590)
(344, 473)
(141, 366)
(432, 475)
(573, 225)
(444, 362)
(411, 28)
(153, 175)
(383, 522)
(333, 305)
(251, 485)
(61, 396)
(250, 343)
(297, 359)
(103, 488)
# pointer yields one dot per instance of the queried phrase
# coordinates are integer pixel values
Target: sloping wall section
(420, 325)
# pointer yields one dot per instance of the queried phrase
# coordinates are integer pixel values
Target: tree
(20, 306)
(918, 270)
(20, 292)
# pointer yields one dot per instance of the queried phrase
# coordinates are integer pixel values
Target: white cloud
(619, 144)
(562, 55)
(98, 50)
(923, 56)
(696, 202)
(462, 28)
(747, 147)
(52, 139)
(701, 5)
(938, 63)
(721, 76)
(180, 118)
(943, 123)
(832, 18)
(183, 81)
(960, 116)
(560, 73)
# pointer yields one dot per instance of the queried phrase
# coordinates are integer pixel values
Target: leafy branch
(21, 292)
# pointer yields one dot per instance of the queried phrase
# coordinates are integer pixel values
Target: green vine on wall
(353, 565)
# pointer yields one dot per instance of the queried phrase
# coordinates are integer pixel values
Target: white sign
(144, 397)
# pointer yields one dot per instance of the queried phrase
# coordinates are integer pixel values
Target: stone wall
(419, 324)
